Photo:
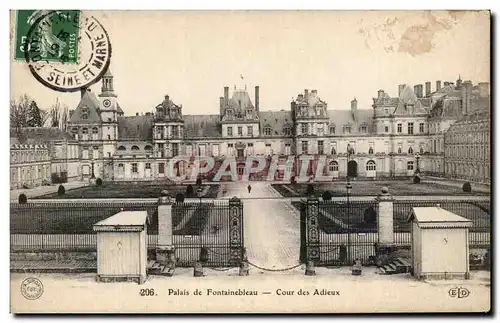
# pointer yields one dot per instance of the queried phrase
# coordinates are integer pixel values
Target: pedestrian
(249, 188)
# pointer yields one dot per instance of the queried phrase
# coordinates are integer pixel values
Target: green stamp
(50, 34)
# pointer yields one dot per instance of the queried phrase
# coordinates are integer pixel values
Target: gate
(208, 231)
(337, 233)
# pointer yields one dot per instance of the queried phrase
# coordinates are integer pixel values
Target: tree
(34, 115)
(58, 115)
(19, 111)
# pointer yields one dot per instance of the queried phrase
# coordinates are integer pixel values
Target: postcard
(250, 161)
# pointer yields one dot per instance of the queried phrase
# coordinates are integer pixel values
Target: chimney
(82, 92)
(167, 99)
(428, 88)
(418, 89)
(257, 98)
(438, 85)
(380, 94)
(137, 114)
(306, 94)
(226, 95)
(466, 97)
(484, 89)
(401, 88)
(354, 108)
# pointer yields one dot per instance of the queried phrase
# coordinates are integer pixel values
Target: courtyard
(131, 190)
(373, 188)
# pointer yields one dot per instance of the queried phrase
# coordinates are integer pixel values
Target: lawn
(363, 215)
(120, 190)
(371, 188)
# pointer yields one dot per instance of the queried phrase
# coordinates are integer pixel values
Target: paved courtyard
(271, 226)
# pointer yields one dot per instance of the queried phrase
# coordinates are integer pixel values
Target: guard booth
(440, 244)
(122, 247)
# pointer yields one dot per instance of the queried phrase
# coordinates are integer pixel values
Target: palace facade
(393, 138)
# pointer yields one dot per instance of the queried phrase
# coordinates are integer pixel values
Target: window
(386, 111)
(400, 150)
(287, 149)
(421, 149)
(250, 130)
(189, 150)
(268, 149)
(240, 131)
(410, 150)
(161, 168)
(287, 131)
(95, 130)
(421, 127)
(249, 114)
(229, 131)
(370, 165)
(400, 128)
(347, 129)
(370, 151)
(332, 130)
(320, 147)
(134, 168)
(304, 129)
(386, 129)
(134, 147)
(121, 148)
(363, 129)
(410, 128)
(267, 131)
(320, 130)
(148, 165)
(250, 144)
(409, 165)
(85, 114)
(175, 149)
(304, 147)
(333, 166)
(175, 132)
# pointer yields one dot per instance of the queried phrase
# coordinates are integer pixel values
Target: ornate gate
(337, 233)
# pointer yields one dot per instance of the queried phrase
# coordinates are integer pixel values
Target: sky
(192, 55)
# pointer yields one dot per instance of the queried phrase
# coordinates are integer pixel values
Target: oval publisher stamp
(66, 50)
(31, 288)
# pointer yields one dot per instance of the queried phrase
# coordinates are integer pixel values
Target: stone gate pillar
(385, 246)
(385, 217)
(165, 247)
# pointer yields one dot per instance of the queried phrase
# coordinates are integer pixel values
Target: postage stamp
(65, 50)
(57, 40)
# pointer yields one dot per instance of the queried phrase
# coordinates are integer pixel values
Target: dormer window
(267, 130)
(363, 128)
(332, 130)
(347, 129)
(249, 114)
(287, 131)
(85, 114)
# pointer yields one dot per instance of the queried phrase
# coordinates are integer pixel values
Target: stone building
(392, 138)
(42, 155)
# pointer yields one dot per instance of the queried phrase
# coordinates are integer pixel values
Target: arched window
(95, 130)
(122, 148)
(148, 147)
(399, 150)
(334, 151)
(85, 130)
(370, 165)
(267, 130)
(333, 166)
(410, 150)
(134, 147)
(370, 151)
(332, 130)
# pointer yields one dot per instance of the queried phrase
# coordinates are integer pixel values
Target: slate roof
(408, 97)
(38, 135)
(276, 120)
(202, 126)
(89, 101)
(341, 118)
(135, 128)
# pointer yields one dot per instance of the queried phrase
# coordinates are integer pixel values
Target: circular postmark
(31, 288)
(67, 50)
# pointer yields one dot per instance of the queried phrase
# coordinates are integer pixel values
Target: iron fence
(203, 231)
(69, 225)
(479, 212)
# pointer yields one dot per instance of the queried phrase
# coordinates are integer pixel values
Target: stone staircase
(156, 268)
(396, 266)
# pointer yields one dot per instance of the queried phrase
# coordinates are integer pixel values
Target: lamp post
(417, 158)
(348, 189)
